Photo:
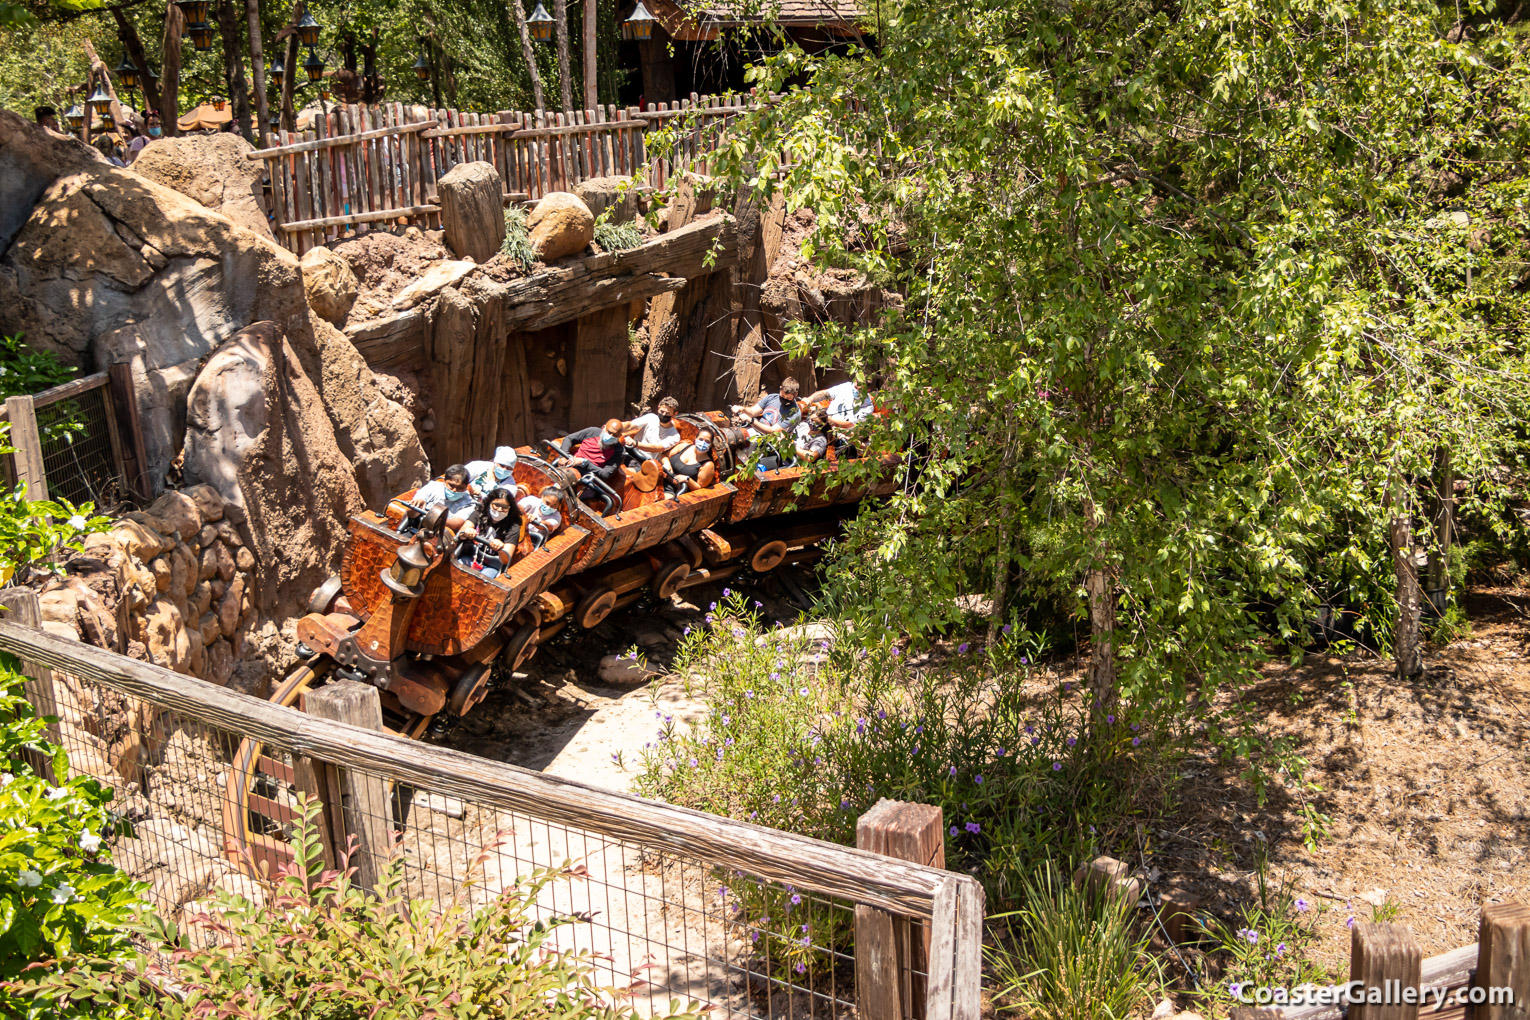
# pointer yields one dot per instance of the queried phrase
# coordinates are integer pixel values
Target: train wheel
(765, 555)
(469, 689)
(594, 607)
(324, 596)
(522, 645)
(668, 578)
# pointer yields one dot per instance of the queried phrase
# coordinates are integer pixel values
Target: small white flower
(29, 879)
(64, 893)
(77, 522)
(90, 842)
(6, 779)
(56, 793)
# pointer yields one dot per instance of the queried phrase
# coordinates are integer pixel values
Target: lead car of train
(406, 617)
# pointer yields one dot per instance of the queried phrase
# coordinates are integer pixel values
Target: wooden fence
(80, 441)
(360, 167)
(664, 892)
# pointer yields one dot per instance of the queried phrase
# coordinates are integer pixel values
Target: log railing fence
(79, 440)
(358, 168)
(666, 895)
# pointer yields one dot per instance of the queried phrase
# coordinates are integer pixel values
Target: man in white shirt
(849, 403)
(655, 433)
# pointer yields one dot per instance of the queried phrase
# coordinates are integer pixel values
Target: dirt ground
(1428, 786)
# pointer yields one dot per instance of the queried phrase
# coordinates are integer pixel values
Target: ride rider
(499, 473)
(451, 491)
(543, 514)
(490, 538)
(689, 466)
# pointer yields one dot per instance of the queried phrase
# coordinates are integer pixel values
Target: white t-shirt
(655, 433)
(540, 517)
(848, 403)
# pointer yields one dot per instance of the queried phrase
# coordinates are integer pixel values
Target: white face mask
(496, 514)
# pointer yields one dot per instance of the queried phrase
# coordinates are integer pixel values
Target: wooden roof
(696, 20)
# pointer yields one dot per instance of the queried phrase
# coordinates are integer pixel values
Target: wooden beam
(22, 609)
(357, 802)
(24, 437)
(1503, 960)
(887, 951)
(135, 459)
(297, 226)
(337, 140)
(810, 864)
(1384, 957)
(72, 388)
(599, 374)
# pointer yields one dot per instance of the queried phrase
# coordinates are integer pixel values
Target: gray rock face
(602, 193)
(212, 171)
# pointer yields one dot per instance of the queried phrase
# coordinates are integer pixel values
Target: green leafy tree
(1197, 295)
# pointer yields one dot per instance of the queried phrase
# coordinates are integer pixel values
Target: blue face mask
(455, 499)
(703, 445)
(607, 439)
(548, 512)
(153, 132)
(502, 473)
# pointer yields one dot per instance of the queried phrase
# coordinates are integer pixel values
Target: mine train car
(405, 616)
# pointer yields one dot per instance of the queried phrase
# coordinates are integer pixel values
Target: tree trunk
(258, 68)
(1100, 586)
(170, 71)
(98, 67)
(134, 45)
(528, 51)
(560, 26)
(1006, 546)
(289, 80)
(591, 94)
(1405, 639)
(1438, 586)
(658, 71)
(233, 68)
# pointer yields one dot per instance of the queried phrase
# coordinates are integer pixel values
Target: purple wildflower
(1071, 741)
(953, 770)
(1057, 766)
(1005, 630)
(801, 968)
(1136, 741)
(974, 828)
(1350, 921)
(978, 779)
(796, 899)
(1249, 935)
(693, 763)
(961, 649)
(1301, 905)
(953, 830)
(727, 592)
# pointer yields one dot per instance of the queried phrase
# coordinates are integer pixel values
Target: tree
(560, 29)
(1191, 303)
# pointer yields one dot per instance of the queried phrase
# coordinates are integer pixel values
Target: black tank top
(677, 467)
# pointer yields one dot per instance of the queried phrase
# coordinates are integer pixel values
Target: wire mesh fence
(663, 919)
(79, 457)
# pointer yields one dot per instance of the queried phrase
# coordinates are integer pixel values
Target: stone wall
(173, 585)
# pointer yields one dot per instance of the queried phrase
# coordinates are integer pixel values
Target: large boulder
(31, 159)
(258, 433)
(329, 283)
(560, 225)
(211, 170)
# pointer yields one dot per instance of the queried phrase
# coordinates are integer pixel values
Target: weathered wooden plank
(368, 217)
(1504, 960)
(22, 609)
(334, 142)
(72, 388)
(942, 976)
(599, 373)
(967, 978)
(135, 459)
(362, 806)
(809, 864)
(24, 437)
(1384, 956)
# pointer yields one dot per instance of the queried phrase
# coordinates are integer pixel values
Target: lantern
(100, 101)
(308, 30)
(218, 103)
(201, 36)
(313, 65)
(540, 23)
(127, 74)
(195, 10)
(639, 24)
(422, 67)
(403, 578)
(277, 71)
(76, 117)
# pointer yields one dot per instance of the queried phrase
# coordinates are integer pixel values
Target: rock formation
(472, 211)
(329, 284)
(561, 224)
(212, 171)
(614, 193)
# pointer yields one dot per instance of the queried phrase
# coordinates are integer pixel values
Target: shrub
(1074, 954)
(516, 247)
(617, 236)
(60, 898)
(315, 946)
(806, 735)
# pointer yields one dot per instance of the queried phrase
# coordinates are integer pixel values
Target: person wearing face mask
(498, 473)
(543, 514)
(689, 466)
(775, 412)
(655, 433)
(451, 491)
(603, 451)
(151, 132)
(496, 529)
(813, 437)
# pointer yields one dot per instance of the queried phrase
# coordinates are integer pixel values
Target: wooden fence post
(358, 803)
(1385, 957)
(1503, 961)
(886, 951)
(21, 607)
(28, 444)
(135, 461)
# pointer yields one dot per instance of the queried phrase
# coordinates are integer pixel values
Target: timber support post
(28, 443)
(1503, 961)
(356, 803)
(22, 607)
(889, 950)
(1384, 957)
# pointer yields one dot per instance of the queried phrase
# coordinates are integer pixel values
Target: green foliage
(516, 247)
(1074, 954)
(1193, 297)
(60, 897)
(24, 370)
(1266, 944)
(312, 944)
(617, 236)
(809, 747)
